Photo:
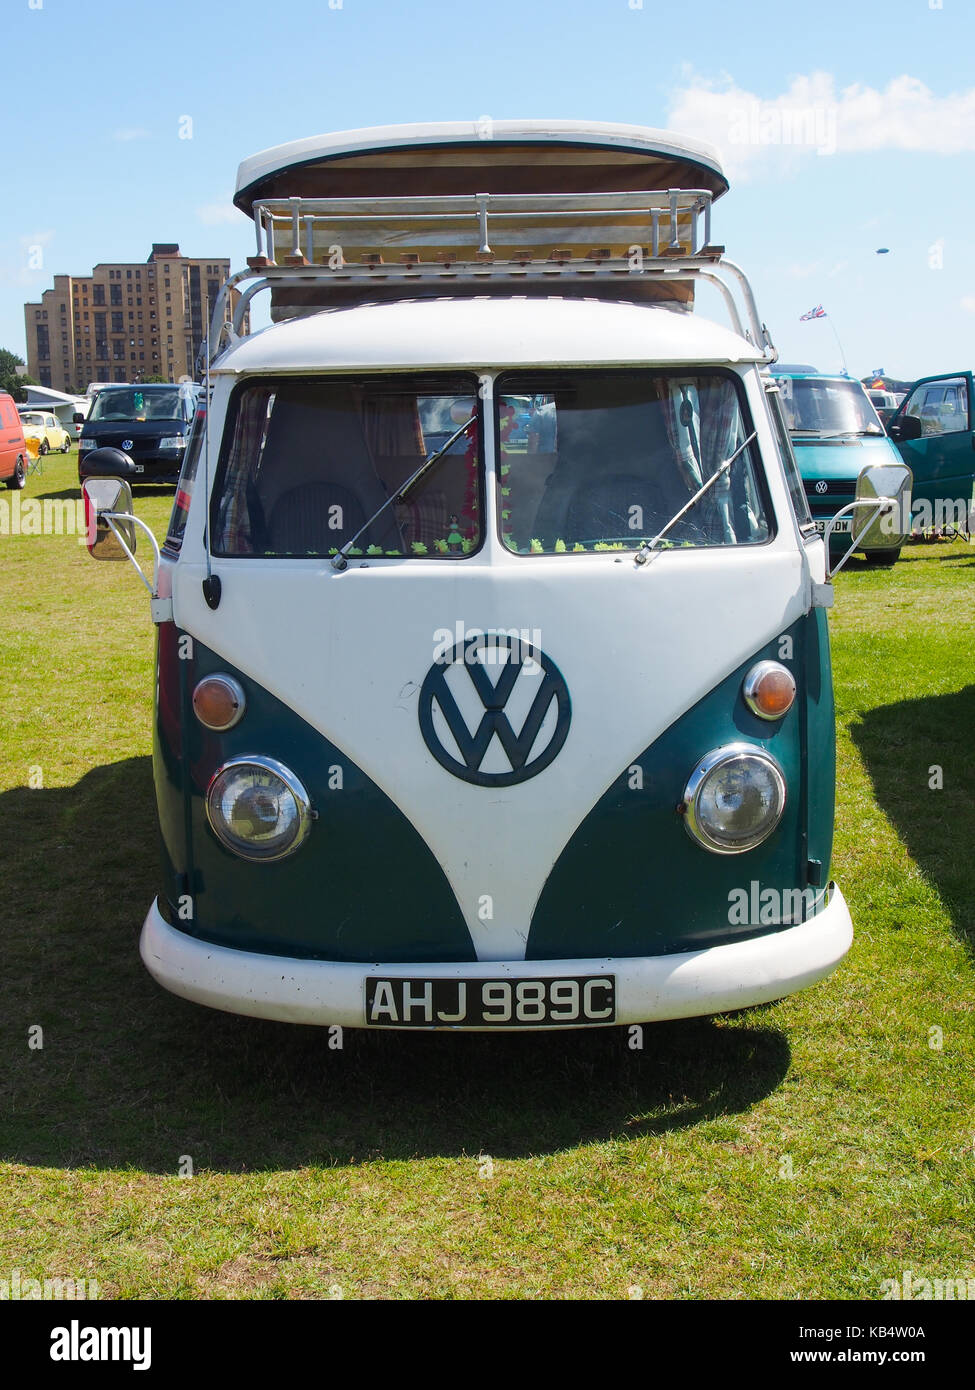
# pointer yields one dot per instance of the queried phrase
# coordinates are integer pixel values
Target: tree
(10, 379)
(148, 379)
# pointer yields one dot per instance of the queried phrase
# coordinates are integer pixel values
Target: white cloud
(967, 302)
(218, 213)
(813, 117)
(132, 132)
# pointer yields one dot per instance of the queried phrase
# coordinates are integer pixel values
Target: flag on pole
(818, 313)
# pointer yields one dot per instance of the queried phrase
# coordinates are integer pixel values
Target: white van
(493, 683)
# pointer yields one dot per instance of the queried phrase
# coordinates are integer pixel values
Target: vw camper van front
(493, 681)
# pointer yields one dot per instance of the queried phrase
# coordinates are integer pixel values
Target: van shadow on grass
(144, 490)
(901, 745)
(129, 1075)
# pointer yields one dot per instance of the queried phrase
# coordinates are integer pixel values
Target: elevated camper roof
(488, 208)
(457, 157)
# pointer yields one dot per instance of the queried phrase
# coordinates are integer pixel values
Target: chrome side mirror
(881, 513)
(103, 496)
(888, 528)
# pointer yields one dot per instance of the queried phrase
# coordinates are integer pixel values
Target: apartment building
(125, 321)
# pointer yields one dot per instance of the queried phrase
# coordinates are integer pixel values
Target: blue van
(835, 433)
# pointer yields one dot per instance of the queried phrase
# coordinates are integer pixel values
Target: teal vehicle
(835, 433)
(932, 430)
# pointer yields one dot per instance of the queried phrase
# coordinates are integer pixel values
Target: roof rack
(313, 253)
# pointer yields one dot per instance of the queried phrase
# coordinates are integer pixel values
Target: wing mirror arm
(130, 519)
(879, 506)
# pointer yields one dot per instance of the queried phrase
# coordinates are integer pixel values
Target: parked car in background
(885, 403)
(13, 445)
(835, 433)
(46, 428)
(77, 425)
(932, 431)
(150, 424)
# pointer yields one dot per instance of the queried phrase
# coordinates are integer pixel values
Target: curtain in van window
(678, 436)
(391, 425)
(250, 431)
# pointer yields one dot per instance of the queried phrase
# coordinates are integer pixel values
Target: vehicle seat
(319, 462)
(608, 463)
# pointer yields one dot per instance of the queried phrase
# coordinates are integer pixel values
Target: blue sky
(847, 126)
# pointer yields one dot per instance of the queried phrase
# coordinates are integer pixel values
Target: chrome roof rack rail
(499, 243)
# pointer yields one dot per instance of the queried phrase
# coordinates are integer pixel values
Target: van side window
(603, 460)
(797, 493)
(310, 461)
(187, 476)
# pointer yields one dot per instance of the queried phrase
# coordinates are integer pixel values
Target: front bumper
(648, 989)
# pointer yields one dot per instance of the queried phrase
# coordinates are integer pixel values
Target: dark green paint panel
(167, 766)
(631, 881)
(363, 887)
(821, 736)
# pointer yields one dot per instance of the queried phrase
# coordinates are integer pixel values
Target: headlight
(84, 443)
(257, 808)
(173, 441)
(734, 798)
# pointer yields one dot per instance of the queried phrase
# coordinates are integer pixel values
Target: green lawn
(364, 1171)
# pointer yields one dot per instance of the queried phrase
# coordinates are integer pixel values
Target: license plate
(419, 1003)
(842, 528)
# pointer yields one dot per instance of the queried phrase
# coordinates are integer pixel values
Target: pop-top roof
(465, 157)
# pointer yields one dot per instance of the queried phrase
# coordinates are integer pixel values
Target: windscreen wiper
(340, 561)
(647, 549)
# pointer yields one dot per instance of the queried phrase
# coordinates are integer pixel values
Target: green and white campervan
(493, 682)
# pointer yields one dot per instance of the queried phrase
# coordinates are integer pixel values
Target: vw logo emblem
(127, 443)
(822, 486)
(489, 675)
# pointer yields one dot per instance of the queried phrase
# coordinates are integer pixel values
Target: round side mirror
(106, 463)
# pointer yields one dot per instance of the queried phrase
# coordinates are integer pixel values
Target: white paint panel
(502, 330)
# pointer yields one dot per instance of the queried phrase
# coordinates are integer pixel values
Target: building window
(115, 294)
(128, 275)
(98, 294)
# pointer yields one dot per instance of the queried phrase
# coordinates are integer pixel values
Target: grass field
(807, 1149)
